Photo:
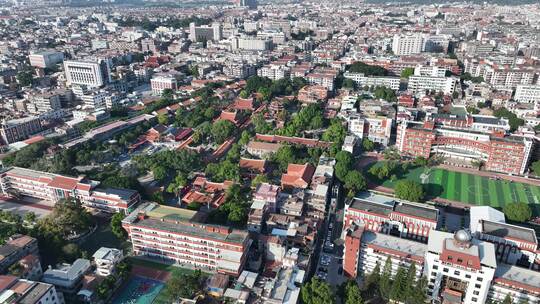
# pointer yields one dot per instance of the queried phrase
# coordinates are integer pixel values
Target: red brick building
(461, 146)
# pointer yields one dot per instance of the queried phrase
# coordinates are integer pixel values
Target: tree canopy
(409, 190)
(519, 212)
(366, 69)
(317, 292)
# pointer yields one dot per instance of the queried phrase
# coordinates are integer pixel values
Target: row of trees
(401, 287)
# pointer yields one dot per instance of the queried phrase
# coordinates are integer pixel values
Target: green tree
(519, 212)
(352, 293)
(409, 190)
(407, 72)
(284, 156)
(25, 78)
(373, 279)
(183, 286)
(71, 252)
(507, 300)
(159, 173)
(472, 110)
(535, 167)
(30, 217)
(399, 285)
(366, 69)
(317, 292)
(410, 289)
(225, 170)
(244, 94)
(391, 154)
(163, 119)
(344, 157)
(368, 145)
(349, 84)
(385, 282)
(355, 182)
(259, 179)
(421, 161)
(221, 130)
(116, 226)
(513, 120)
(167, 94)
(244, 138)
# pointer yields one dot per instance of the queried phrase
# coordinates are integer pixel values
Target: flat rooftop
(504, 230)
(405, 246)
(182, 221)
(518, 274)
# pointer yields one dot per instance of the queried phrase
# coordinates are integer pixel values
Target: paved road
(335, 217)
(21, 207)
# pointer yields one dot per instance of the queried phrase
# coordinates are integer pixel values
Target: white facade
(86, 73)
(45, 59)
(251, 44)
(445, 271)
(375, 81)
(447, 85)
(106, 260)
(434, 71)
(274, 72)
(408, 44)
(161, 82)
(527, 93)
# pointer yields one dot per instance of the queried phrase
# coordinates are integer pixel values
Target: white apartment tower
(408, 44)
(88, 73)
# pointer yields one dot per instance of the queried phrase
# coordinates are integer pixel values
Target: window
(475, 299)
(456, 272)
(445, 269)
(433, 273)
(479, 279)
(468, 276)
(435, 267)
(476, 292)
(477, 286)
(459, 260)
(450, 258)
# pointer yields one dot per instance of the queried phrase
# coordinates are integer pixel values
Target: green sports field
(469, 188)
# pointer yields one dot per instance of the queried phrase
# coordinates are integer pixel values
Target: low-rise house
(262, 149)
(67, 278)
(16, 248)
(217, 284)
(106, 260)
(297, 176)
(21, 291)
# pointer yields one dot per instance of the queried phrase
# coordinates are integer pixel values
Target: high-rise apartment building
(45, 59)
(95, 73)
(201, 33)
(408, 44)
